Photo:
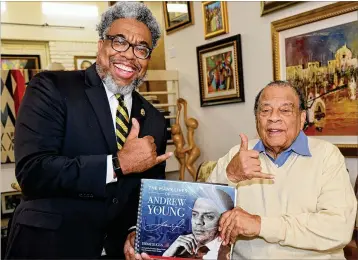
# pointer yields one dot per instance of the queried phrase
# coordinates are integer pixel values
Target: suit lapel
(138, 111)
(97, 96)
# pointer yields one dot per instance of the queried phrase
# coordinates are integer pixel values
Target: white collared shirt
(214, 247)
(113, 104)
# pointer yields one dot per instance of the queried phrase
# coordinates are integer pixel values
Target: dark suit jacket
(64, 132)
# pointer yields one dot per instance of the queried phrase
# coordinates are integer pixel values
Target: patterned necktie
(122, 122)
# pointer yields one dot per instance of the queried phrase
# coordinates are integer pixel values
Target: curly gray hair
(135, 10)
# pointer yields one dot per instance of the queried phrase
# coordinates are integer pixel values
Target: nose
(199, 221)
(129, 53)
(275, 116)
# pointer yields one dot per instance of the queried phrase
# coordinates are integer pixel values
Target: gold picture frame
(178, 18)
(273, 6)
(83, 62)
(216, 24)
(307, 23)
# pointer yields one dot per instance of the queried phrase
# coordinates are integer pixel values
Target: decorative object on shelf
(83, 62)
(220, 72)
(15, 61)
(215, 18)
(317, 52)
(13, 85)
(272, 6)
(185, 155)
(177, 15)
(9, 201)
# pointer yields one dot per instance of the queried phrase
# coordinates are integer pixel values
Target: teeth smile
(123, 67)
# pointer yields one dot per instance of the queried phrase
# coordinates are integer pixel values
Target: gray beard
(111, 85)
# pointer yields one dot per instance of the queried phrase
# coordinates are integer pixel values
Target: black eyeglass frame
(112, 37)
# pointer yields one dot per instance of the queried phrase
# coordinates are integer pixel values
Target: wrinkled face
(124, 68)
(204, 221)
(278, 118)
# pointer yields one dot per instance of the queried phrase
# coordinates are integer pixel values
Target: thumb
(244, 143)
(134, 131)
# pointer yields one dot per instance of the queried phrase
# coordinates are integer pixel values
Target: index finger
(262, 175)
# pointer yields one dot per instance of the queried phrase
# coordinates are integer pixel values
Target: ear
(303, 118)
(100, 45)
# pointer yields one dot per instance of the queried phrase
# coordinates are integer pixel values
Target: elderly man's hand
(245, 165)
(237, 222)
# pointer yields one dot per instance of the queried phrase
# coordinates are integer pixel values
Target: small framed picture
(220, 72)
(273, 6)
(215, 18)
(14, 61)
(9, 201)
(177, 15)
(84, 62)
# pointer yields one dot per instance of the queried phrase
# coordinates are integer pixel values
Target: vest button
(115, 201)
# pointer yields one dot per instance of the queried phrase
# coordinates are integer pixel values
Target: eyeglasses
(121, 45)
(283, 111)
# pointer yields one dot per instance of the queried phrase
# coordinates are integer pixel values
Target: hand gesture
(139, 154)
(187, 242)
(245, 165)
(129, 249)
(237, 222)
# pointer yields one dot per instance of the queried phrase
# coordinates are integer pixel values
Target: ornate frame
(179, 26)
(224, 16)
(273, 6)
(322, 13)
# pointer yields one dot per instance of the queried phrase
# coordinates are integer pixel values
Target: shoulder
(323, 149)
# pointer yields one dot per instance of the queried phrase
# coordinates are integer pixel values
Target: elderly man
(80, 130)
(204, 242)
(294, 194)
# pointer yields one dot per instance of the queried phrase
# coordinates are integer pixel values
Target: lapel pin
(142, 112)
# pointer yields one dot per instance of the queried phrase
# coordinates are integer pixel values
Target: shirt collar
(299, 146)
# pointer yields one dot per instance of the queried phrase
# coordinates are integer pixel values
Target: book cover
(180, 219)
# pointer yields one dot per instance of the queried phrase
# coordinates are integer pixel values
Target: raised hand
(245, 165)
(182, 244)
(139, 154)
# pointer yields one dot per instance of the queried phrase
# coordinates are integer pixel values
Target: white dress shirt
(113, 104)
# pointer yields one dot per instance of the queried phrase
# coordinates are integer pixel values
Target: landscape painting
(324, 65)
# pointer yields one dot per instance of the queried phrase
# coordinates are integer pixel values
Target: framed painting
(220, 72)
(177, 15)
(14, 61)
(9, 201)
(83, 62)
(318, 52)
(272, 6)
(215, 18)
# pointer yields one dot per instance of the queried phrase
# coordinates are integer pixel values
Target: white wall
(220, 126)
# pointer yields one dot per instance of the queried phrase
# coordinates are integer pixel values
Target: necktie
(203, 250)
(122, 122)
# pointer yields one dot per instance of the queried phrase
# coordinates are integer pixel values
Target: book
(180, 219)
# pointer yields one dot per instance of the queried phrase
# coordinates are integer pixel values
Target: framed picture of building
(15, 61)
(220, 72)
(215, 18)
(83, 62)
(9, 201)
(318, 52)
(177, 15)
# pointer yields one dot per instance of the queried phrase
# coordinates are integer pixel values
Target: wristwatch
(116, 166)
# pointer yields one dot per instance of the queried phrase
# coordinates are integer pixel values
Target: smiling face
(278, 118)
(123, 68)
(204, 221)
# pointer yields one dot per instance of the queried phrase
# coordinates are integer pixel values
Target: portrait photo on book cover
(181, 219)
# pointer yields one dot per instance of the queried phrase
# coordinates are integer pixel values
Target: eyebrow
(283, 104)
(144, 43)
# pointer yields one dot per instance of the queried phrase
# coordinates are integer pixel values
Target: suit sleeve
(41, 169)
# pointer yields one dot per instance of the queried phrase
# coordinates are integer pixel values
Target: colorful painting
(317, 50)
(9, 62)
(220, 72)
(215, 18)
(177, 15)
(324, 64)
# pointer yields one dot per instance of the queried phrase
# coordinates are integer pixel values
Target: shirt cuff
(131, 229)
(272, 229)
(110, 173)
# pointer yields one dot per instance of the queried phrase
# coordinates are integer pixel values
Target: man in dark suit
(83, 141)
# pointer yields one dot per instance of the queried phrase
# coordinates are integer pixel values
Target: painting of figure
(324, 65)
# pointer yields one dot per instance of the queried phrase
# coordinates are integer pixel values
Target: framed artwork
(83, 62)
(9, 201)
(215, 18)
(272, 6)
(318, 52)
(14, 61)
(220, 72)
(177, 15)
